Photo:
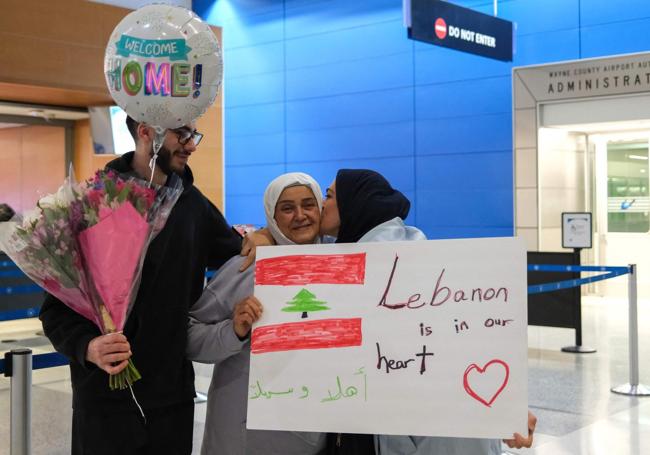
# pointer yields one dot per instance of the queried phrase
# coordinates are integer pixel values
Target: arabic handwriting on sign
(351, 391)
(259, 392)
(348, 393)
(362, 372)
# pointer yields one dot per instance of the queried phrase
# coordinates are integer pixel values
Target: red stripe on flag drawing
(312, 269)
(319, 334)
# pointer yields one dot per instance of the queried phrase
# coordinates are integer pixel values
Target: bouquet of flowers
(86, 246)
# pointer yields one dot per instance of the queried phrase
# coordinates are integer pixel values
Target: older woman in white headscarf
(220, 323)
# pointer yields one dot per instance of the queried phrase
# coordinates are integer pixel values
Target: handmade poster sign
(416, 338)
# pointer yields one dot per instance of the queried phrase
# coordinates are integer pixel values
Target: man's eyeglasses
(184, 136)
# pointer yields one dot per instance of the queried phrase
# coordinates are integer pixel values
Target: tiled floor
(569, 393)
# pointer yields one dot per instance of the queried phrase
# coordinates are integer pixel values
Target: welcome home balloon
(163, 65)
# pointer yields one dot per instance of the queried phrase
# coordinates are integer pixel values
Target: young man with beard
(195, 236)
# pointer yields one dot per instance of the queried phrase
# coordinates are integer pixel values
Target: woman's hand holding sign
(518, 441)
(245, 314)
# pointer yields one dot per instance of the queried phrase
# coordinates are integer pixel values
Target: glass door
(623, 213)
(628, 196)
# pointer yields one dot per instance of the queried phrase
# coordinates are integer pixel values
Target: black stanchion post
(577, 314)
(633, 388)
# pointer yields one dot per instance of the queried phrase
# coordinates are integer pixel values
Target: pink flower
(146, 194)
(95, 197)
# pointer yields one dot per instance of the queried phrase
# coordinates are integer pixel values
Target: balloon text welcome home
(163, 66)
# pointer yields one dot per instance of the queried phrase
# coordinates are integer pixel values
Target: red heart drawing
(476, 396)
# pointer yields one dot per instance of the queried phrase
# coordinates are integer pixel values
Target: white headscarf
(272, 194)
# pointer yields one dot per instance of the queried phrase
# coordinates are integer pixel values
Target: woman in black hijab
(362, 206)
(360, 201)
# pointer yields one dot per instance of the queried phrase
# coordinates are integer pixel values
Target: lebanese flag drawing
(420, 338)
(305, 270)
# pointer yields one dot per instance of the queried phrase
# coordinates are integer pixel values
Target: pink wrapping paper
(111, 251)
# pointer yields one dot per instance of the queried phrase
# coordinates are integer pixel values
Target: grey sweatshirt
(212, 339)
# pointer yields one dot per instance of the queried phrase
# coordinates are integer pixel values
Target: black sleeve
(222, 239)
(68, 331)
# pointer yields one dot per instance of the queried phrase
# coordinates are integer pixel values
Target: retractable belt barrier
(21, 289)
(39, 361)
(19, 314)
(19, 297)
(553, 300)
(25, 313)
(612, 272)
(632, 388)
(16, 273)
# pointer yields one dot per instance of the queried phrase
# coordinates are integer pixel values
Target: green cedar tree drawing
(303, 302)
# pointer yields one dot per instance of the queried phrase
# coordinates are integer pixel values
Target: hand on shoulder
(261, 237)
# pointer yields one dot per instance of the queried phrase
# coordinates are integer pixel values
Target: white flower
(48, 201)
(65, 195)
(61, 198)
(31, 216)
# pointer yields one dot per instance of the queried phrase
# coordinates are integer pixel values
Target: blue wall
(317, 85)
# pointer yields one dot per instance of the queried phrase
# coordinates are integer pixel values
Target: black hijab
(365, 199)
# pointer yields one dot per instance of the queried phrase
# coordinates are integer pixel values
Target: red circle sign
(441, 28)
